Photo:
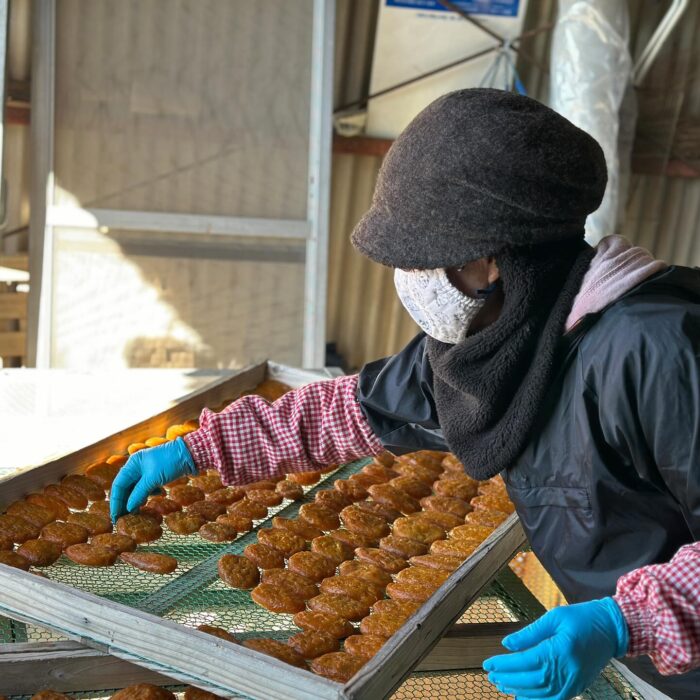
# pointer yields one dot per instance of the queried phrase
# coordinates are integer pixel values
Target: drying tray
(90, 675)
(149, 620)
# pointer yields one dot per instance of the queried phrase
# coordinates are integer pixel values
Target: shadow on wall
(129, 299)
(231, 302)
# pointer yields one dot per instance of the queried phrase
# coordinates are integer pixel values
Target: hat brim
(381, 238)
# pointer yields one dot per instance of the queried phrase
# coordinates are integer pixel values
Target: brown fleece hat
(478, 171)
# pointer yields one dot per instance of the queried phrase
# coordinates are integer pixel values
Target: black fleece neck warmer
(489, 388)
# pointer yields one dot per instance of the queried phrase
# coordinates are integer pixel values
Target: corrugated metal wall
(663, 213)
(365, 317)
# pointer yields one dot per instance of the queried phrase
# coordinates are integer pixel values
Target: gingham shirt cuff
(661, 604)
(640, 624)
(199, 449)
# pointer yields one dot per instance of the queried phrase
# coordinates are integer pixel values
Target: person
(572, 371)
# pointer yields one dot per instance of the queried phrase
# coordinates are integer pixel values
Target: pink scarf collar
(617, 267)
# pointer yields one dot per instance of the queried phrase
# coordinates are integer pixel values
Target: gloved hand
(562, 653)
(146, 471)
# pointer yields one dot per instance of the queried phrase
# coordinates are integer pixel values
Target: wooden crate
(179, 652)
(13, 309)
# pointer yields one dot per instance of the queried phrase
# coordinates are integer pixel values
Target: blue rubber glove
(562, 653)
(146, 471)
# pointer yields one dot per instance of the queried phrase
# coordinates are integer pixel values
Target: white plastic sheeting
(591, 73)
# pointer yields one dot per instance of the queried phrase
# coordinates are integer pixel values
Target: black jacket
(610, 480)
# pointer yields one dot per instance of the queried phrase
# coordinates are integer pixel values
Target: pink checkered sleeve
(661, 604)
(304, 430)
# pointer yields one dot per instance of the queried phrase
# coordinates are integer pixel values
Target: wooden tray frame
(26, 668)
(190, 656)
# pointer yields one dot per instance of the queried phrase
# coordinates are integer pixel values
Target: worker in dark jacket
(480, 208)
(572, 371)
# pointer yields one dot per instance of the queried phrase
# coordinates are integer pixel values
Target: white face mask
(439, 308)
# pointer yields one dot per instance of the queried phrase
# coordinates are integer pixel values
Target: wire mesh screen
(474, 685)
(488, 608)
(200, 597)
(193, 594)
(505, 600)
(455, 685)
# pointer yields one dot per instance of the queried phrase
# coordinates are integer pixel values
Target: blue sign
(501, 8)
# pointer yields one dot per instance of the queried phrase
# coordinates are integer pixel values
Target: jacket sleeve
(649, 401)
(396, 397)
(304, 430)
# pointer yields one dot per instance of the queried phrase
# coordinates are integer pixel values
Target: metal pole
(4, 24)
(316, 269)
(41, 234)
